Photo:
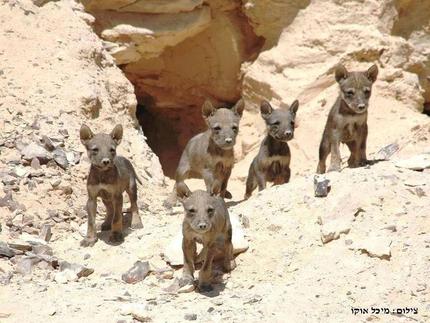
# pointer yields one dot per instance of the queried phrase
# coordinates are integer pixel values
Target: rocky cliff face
(176, 54)
(356, 33)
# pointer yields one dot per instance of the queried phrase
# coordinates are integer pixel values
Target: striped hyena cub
(347, 120)
(272, 163)
(210, 155)
(207, 222)
(110, 176)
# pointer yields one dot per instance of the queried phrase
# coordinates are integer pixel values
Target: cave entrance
(168, 130)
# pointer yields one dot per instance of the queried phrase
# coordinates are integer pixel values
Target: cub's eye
(211, 211)
(292, 123)
(191, 212)
(235, 128)
(276, 123)
(367, 91)
(95, 150)
(217, 128)
(349, 93)
(112, 150)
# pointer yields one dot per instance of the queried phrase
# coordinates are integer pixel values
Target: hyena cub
(347, 120)
(272, 163)
(209, 155)
(110, 175)
(207, 222)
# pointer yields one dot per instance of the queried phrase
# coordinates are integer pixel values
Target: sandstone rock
(152, 33)
(47, 143)
(42, 250)
(298, 62)
(240, 244)
(9, 202)
(33, 150)
(35, 163)
(386, 152)
(5, 278)
(136, 273)
(137, 310)
(78, 270)
(60, 158)
(73, 157)
(374, 246)
(63, 277)
(333, 229)
(153, 6)
(418, 162)
(414, 182)
(45, 232)
(6, 251)
(20, 171)
(270, 17)
(25, 265)
(19, 245)
(9, 180)
(186, 289)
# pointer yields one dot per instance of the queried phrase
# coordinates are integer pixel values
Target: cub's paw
(334, 168)
(363, 162)
(116, 237)
(105, 226)
(87, 242)
(229, 265)
(205, 287)
(137, 224)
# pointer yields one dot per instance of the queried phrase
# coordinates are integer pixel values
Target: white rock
(20, 171)
(333, 229)
(83, 229)
(418, 162)
(376, 246)
(34, 150)
(186, 289)
(63, 277)
(137, 310)
(240, 244)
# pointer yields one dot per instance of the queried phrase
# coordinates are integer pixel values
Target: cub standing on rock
(347, 120)
(209, 155)
(110, 175)
(272, 163)
(206, 221)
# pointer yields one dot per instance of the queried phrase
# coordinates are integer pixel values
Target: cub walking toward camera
(209, 155)
(110, 175)
(206, 221)
(347, 120)
(272, 163)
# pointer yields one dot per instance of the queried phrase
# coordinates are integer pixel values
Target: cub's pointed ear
(85, 134)
(265, 109)
(116, 134)
(239, 107)
(182, 191)
(294, 106)
(208, 109)
(372, 73)
(340, 73)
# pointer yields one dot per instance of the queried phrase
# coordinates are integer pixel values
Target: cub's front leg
(189, 250)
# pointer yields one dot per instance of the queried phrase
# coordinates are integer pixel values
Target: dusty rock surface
(308, 259)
